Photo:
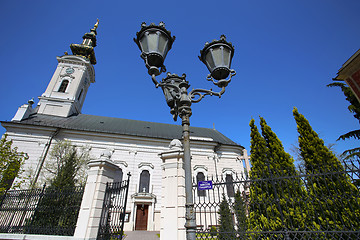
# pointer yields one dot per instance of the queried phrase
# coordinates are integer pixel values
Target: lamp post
(154, 42)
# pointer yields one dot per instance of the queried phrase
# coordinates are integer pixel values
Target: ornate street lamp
(154, 43)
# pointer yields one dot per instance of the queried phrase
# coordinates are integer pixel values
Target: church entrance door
(141, 217)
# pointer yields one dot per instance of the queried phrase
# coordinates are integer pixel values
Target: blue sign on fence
(203, 185)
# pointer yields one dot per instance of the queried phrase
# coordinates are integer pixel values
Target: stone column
(173, 194)
(100, 172)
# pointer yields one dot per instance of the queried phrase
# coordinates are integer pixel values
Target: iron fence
(49, 211)
(114, 210)
(323, 204)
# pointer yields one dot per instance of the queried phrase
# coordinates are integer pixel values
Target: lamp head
(154, 42)
(217, 57)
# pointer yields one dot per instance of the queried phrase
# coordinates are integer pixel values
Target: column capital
(178, 153)
(103, 163)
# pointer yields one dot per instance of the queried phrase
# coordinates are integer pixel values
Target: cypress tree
(67, 173)
(226, 229)
(287, 188)
(261, 204)
(258, 152)
(334, 197)
(58, 208)
(240, 213)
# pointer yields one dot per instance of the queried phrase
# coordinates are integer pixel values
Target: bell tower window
(63, 86)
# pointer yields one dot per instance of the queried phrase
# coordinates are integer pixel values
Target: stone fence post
(100, 172)
(173, 193)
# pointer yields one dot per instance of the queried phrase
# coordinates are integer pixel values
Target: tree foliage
(289, 190)
(59, 205)
(275, 193)
(259, 190)
(329, 181)
(67, 172)
(56, 212)
(300, 165)
(10, 163)
(226, 229)
(259, 153)
(354, 107)
(240, 213)
(62, 155)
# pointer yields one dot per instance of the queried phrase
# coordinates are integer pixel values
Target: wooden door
(141, 217)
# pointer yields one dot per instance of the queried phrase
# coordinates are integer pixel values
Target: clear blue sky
(286, 52)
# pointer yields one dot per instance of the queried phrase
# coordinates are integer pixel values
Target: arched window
(229, 185)
(200, 177)
(144, 181)
(63, 86)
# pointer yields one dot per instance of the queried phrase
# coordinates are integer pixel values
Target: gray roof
(122, 126)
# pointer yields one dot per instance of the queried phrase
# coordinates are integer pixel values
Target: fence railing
(323, 204)
(48, 211)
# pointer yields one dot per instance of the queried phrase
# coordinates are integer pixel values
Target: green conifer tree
(226, 229)
(258, 152)
(334, 197)
(67, 173)
(288, 189)
(261, 204)
(58, 208)
(240, 213)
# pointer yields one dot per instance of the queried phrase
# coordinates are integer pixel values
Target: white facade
(130, 154)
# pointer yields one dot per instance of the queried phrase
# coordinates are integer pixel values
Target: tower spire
(86, 48)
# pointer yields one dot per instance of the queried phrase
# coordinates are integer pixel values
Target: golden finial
(96, 24)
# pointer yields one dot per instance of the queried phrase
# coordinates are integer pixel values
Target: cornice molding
(196, 167)
(145, 164)
(119, 162)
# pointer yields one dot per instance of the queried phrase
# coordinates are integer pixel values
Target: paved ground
(141, 235)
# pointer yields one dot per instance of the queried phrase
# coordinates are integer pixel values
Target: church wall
(131, 154)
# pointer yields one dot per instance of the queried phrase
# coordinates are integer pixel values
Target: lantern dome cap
(160, 27)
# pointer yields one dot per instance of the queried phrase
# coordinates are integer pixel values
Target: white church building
(128, 146)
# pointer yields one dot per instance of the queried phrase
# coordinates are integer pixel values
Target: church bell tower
(65, 94)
